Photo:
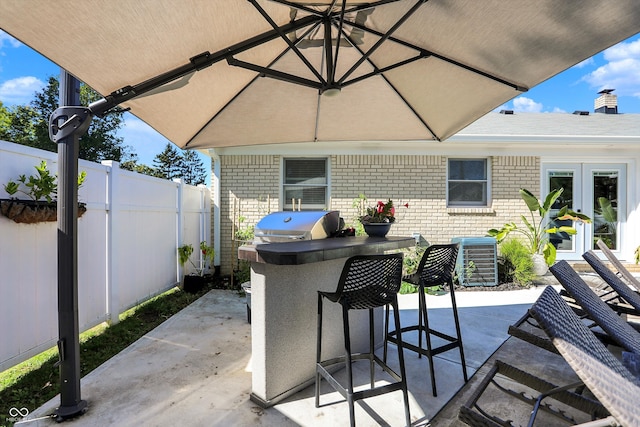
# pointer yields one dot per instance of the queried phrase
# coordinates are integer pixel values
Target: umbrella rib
(382, 39)
(284, 37)
(382, 70)
(311, 11)
(377, 71)
(331, 62)
(299, 7)
(215, 116)
(196, 63)
(279, 75)
(426, 53)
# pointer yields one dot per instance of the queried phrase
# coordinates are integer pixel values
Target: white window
(468, 182)
(305, 183)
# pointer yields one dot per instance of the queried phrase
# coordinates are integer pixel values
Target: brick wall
(249, 189)
(419, 180)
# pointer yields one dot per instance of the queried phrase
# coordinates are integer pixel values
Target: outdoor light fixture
(331, 92)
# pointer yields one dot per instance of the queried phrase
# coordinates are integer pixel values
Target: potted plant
(42, 190)
(537, 229)
(194, 282)
(377, 219)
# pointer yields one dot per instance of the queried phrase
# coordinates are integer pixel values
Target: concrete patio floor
(194, 369)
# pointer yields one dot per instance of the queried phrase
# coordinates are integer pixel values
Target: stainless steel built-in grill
(289, 226)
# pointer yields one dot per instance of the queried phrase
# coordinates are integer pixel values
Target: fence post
(112, 240)
(179, 224)
(205, 231)
(215, 208)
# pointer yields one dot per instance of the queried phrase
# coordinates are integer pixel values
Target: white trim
(455, 146)
(327, 164)
(488, 181)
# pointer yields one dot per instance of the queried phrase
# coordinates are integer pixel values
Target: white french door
(589, 188)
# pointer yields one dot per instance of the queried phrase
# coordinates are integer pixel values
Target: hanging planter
(42, 189)
(31, 212)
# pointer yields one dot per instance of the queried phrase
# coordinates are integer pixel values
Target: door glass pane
(605, 208)
(564, 179)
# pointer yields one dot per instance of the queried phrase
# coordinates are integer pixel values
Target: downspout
(215, 205)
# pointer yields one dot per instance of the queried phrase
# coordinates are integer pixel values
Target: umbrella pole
(71, 404)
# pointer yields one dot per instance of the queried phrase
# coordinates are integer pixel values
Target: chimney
(607, 102)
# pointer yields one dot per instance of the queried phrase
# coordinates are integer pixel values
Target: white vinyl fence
(127, 254)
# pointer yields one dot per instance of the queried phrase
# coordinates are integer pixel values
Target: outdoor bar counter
(285, 278)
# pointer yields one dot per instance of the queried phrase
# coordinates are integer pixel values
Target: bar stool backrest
(370, 281)
(438, 264)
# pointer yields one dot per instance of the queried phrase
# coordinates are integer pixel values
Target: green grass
(35, 381)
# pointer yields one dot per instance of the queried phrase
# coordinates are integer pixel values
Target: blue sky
(24, 72)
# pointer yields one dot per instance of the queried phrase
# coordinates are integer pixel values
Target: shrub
(515, 263)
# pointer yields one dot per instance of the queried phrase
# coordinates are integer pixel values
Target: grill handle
(292, 237)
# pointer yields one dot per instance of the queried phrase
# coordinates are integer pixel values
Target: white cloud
(621, 72)
(558, 110)
(586, 62)
(623, 51)
(9, 41)
(20, 90)
(523, 104)
(6, 38)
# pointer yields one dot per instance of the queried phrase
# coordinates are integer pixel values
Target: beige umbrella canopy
(272, 70)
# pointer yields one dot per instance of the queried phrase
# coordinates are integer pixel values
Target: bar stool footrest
(322, 369)
(453, 341)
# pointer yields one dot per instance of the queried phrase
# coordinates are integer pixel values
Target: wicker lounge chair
(630, 296)
(502, 376)
(605, 376)
(527, 329)
(615, 327)
(622, 270)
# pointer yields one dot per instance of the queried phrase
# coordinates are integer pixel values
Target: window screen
(467, 182)
(305, 184)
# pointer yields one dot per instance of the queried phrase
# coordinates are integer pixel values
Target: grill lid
(297, 225)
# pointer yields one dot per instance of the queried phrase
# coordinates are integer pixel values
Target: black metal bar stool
(436, 268)
(366, 282)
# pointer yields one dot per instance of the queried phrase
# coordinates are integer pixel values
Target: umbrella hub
(317, 33)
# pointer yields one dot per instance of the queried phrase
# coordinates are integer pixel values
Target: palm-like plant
(537, 230)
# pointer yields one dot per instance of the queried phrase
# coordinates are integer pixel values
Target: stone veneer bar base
(285, 278)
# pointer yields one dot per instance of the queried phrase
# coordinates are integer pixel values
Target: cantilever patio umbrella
(402, 70)
(218, 73)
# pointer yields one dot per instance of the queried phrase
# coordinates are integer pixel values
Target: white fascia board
(472, 144)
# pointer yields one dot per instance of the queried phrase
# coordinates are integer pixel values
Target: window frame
(286, 205)
(487, 182)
